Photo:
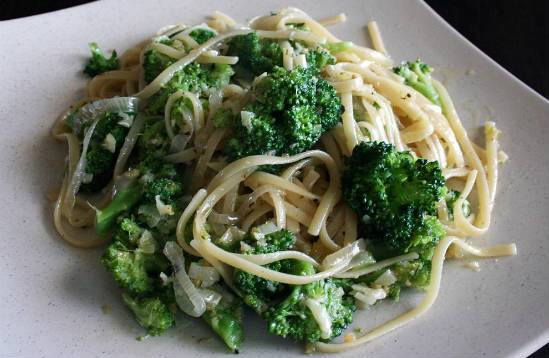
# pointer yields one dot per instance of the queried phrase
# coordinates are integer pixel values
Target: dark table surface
(515, 33)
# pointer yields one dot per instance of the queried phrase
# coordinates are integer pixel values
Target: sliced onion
(78, 173)
(163, 209)
(179, 142)
(226, 219)
(366, 269)
(207, 275)
(92, 112)
(386, 279)
(344, 254)
(362, 259)
(246, 119)
(126, 121)
(129, 143)
(231, 235)
(259, 232)
(211, 298)
(187, 296)
(321, 316)
(165, 279)
(109, 143)
(214, 101)
(146, 243)
(367, 296)
(95, 109)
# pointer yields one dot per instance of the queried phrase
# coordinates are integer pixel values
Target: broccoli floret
(415, 273)
(451, 197)
(201, 35)
(255, 55)
(193, 78)
(257, 292)
(223, 118)
(127, 232)
(219, 75)
(318, 58)
(165, 187)
(293, 318)
(151, 313)
(154, 63)
(418, 76)
(290, 112)
(105, 144)
(132, 269)
(99, 63)
(225, 318)
(152, 146)
(164, 224)
(395, 195)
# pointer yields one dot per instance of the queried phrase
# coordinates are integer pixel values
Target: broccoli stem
(123, 200)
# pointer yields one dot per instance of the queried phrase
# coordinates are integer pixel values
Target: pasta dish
(273, 166)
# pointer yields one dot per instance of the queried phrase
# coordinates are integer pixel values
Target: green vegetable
(154, 63)
(257, 292)
(133, 269)
(336, 47)
(418, 76)
(164, 187)
(255, 55)
(292, 317)
(225, 318)
(395, 195)
(223, 118)
(201, 35)
(451, 197)
(151, 313)
(127, 232)
(99, 63)
(318, 58)
(193, 78)
(100, 159)
(290, 112)
(122, 202)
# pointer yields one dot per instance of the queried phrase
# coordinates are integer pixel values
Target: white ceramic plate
(51, 294)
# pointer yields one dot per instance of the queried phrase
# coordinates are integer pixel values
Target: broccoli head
(418, 76)
(201, 35)
(311, 312)
(318, 58)
(395, 195)
(132, 269)
(164, 187)
(105, 144)
(223, 118)
(154, 63)
(255, 55)
(257, 292)
(151, 313)
(289, 113)
(193, 78)
(99, 63)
